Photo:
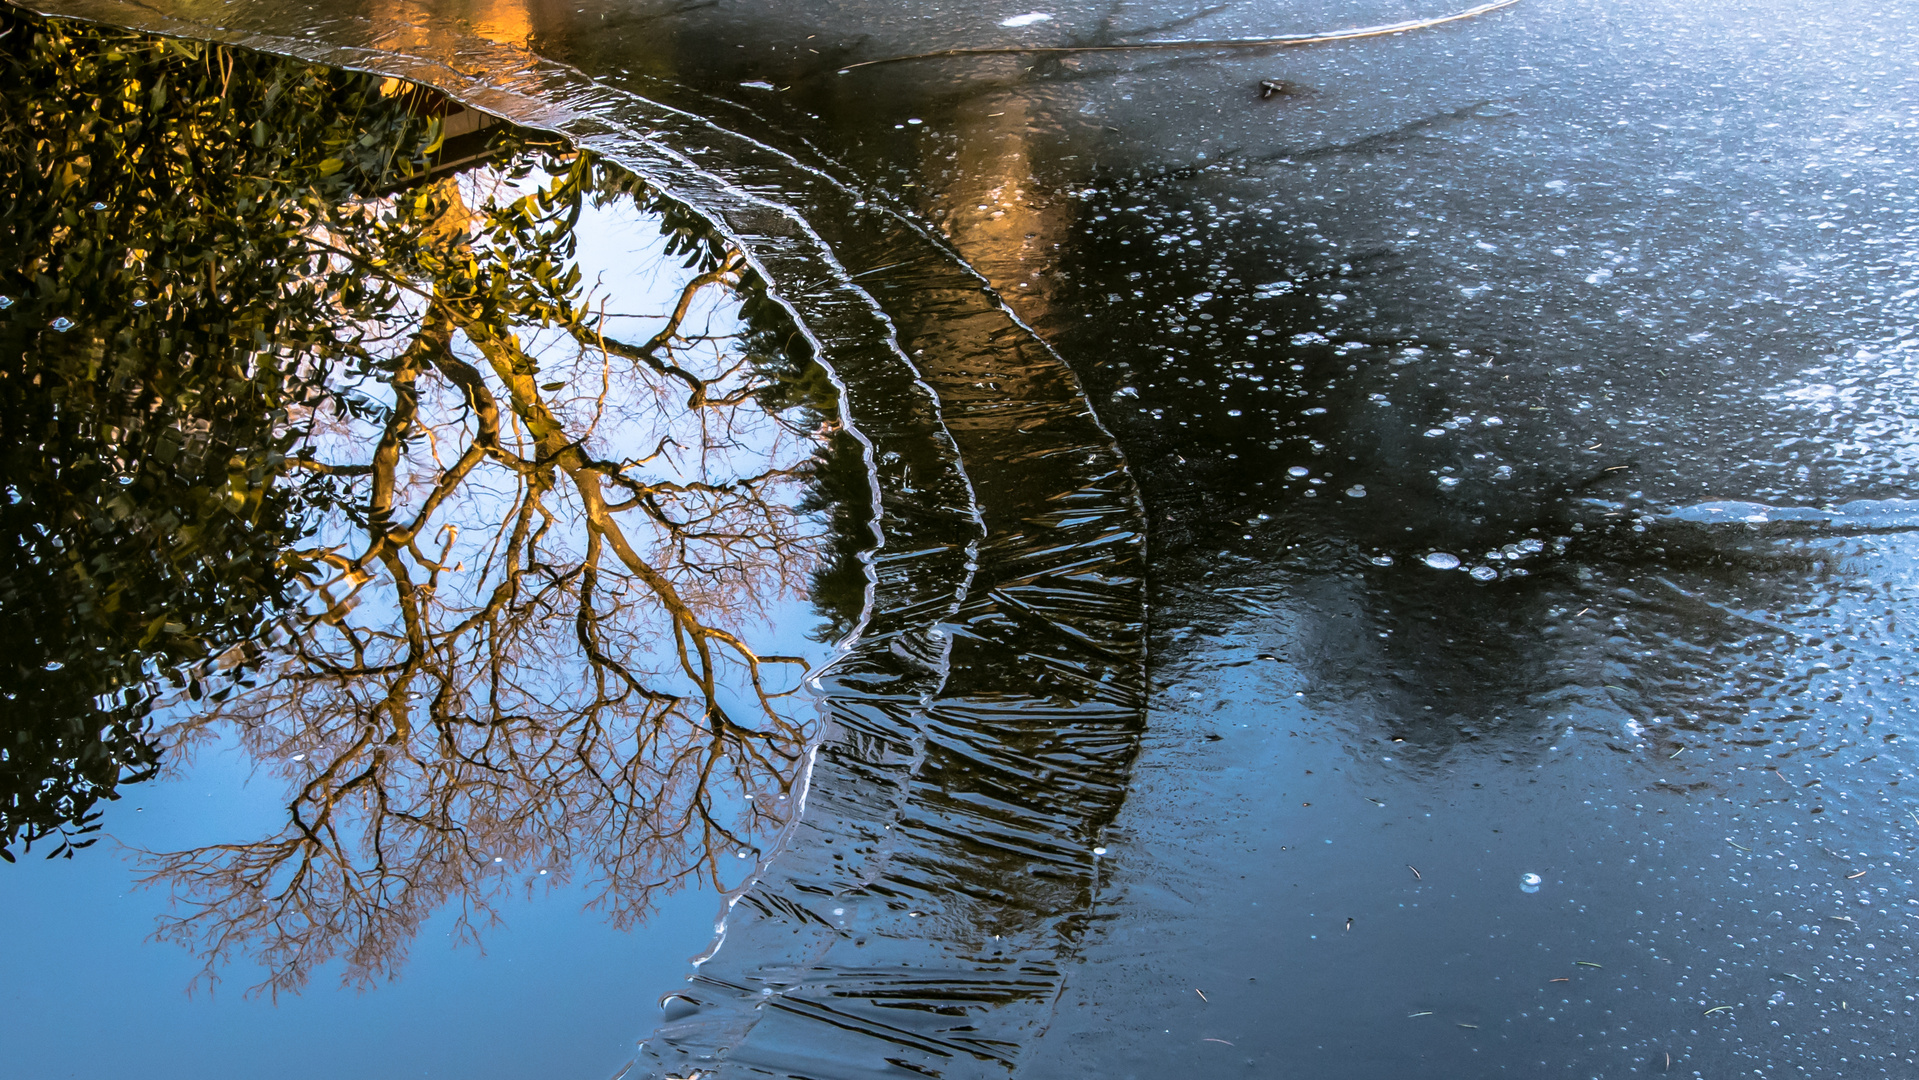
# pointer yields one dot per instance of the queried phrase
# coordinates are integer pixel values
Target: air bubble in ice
(1357, 491)
(1484, 573)
(1382, 560)
(1297, 471)
(62, 324)
(1529, 883)
(1440, 560)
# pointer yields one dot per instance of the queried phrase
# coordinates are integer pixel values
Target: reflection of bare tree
(522, 646)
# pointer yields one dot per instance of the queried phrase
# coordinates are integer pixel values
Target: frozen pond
(1409, 571)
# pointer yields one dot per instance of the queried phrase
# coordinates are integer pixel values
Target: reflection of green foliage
(165, 313)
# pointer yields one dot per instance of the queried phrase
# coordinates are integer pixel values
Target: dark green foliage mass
(165, 316)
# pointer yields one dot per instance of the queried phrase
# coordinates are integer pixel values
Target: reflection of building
(503, 22)
(491, 39)
(417, 31)
(465, 134)
(992, 207)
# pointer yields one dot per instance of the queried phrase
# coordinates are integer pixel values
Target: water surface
(1519, 418)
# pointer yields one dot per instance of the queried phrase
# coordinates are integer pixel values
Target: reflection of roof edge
(466, 133)
(457, 154)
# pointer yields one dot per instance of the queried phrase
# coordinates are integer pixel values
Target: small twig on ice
(1217, 43)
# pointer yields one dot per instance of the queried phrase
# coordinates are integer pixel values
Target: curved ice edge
(1860, 515)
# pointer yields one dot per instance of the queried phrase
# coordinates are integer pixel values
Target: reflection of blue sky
(78, 960)
(454, 1011)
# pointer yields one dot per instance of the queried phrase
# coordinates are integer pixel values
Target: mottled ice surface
(1614, 306)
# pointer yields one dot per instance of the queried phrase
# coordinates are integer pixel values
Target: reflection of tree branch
(727, 273)
(551, 687)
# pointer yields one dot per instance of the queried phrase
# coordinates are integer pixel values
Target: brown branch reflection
(524, 650)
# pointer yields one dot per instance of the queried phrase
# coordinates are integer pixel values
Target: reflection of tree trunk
(515, 698)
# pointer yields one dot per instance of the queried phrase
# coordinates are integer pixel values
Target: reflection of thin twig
(1218, 43)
